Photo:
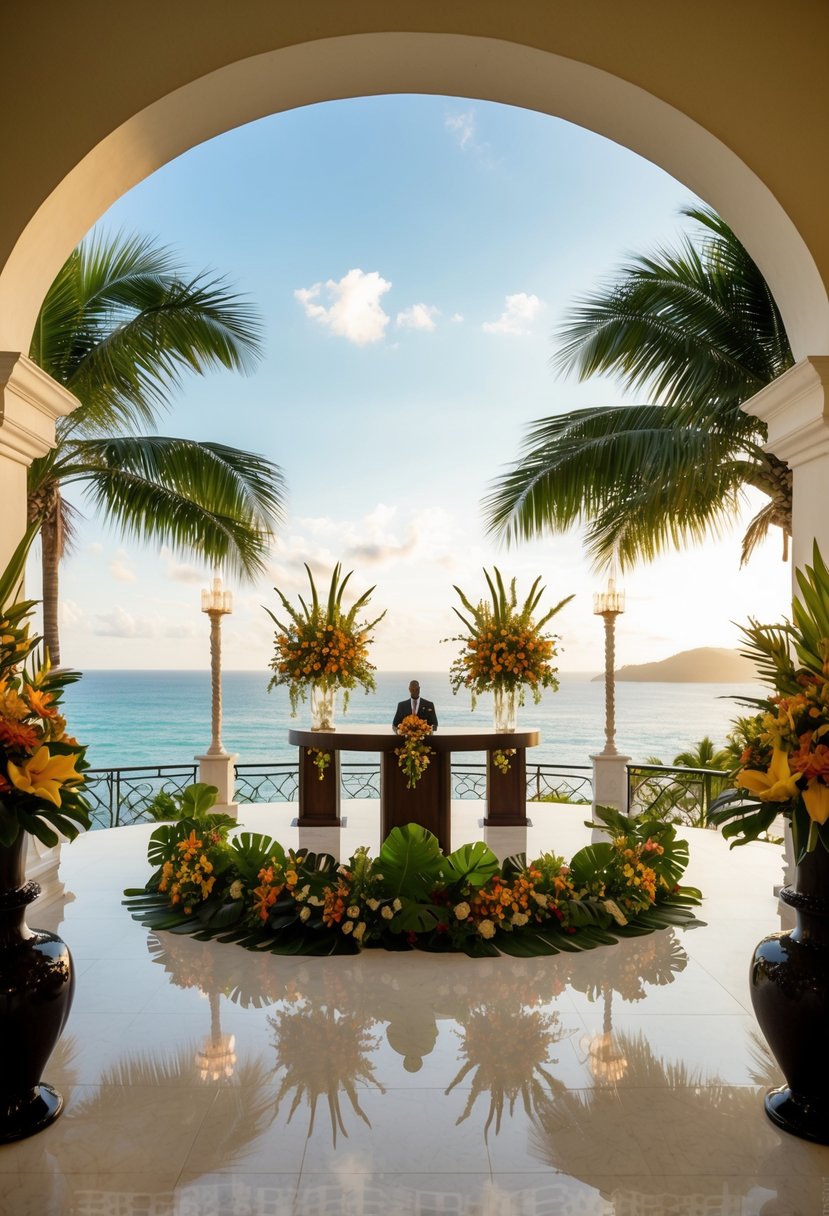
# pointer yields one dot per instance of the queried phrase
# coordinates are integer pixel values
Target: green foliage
(191, 803)
(410, 862)
(695, 328)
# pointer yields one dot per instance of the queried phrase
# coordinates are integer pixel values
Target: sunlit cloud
(354, 311)
(520, 311)
(121, 624)
(181, 572)
(120, 570)
(463, 127)
(419, 316)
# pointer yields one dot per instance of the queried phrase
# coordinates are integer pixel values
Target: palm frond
(203, 497)
(122, 324)
(641, 482)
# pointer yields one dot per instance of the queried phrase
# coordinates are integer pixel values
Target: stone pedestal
(610, 785)
(220, 770)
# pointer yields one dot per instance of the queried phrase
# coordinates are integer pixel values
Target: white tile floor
(409, 1083)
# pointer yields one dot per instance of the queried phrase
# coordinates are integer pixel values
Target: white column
(30, 403)
(795, 408)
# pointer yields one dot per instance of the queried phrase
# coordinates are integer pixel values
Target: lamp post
(216, 603)
(608, 605)
(609, 767)
(216, 767)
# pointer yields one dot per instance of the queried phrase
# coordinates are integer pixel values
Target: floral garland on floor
(413, 756)
(251, 890)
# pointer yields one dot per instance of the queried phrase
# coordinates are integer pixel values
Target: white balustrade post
(610, 778)
(216, 767)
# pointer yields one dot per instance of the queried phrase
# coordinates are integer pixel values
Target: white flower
(486, 928)
(348, 926)
(397, 905)
(305, 913)
(519, 919)
(540, 899)
(236, 889)
(353, 911)
(316, 901)
(374, 904)
(462, 911)
(359, 930)
(387, 912)
(299, 896)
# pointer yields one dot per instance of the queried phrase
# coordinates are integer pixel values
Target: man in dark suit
(416, 705)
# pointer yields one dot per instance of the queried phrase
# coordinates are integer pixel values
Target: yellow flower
(43, 774)
(816, 801)
(779, 784)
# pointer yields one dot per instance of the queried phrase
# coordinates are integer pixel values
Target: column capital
(30, 403)
(795, 408)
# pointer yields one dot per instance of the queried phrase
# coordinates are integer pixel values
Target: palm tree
(698, 330)
(119, 327)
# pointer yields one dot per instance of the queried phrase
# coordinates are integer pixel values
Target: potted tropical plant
(784, 771)
(41, 782)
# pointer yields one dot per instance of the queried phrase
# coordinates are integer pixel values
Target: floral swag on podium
(413, 756)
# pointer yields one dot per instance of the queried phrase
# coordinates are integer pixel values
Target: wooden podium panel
(319, 801)
(506, 793)
(428, 804)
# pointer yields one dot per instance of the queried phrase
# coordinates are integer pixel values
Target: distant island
(705, 665)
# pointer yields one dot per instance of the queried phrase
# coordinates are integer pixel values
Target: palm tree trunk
(50, 561)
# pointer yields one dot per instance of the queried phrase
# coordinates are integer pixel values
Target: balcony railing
(681, 795)
(121, 795)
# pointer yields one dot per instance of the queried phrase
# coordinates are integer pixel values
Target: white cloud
(181, 572)
(456, 317)
(520, 311)
(71, 612)
(355, 311)
(419, 316)
(119, 569)
(120, 624)
(462, 126)
(95, 547)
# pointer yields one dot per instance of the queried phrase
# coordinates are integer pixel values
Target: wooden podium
(429, 803)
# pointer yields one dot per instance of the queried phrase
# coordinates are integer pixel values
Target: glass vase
(505, 706)
(323, 697)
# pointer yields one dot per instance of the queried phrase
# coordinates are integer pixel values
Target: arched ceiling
(729, 99)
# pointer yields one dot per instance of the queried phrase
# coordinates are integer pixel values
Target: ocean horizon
(130, 717)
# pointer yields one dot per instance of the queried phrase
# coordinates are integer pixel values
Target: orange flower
(40, 702)
(18, 735)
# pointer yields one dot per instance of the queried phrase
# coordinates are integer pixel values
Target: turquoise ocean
(163, 717)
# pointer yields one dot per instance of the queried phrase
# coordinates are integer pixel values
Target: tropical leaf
(474, 864)
(410, 862)
(252, 851)
(590, 863)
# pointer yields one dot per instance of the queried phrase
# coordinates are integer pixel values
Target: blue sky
(411, 257)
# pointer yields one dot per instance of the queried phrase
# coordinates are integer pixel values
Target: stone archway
(374, 63)
(727, 107)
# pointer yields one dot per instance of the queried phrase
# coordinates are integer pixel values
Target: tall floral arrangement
(504, 647)
(41, 766)
(784, 766)
(322, 643)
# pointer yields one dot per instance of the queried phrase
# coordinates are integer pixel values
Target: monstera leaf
(252, 851)
(589, 864)
(473, 864)
(410, 862)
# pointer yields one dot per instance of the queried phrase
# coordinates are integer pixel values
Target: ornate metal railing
(683, 795)
(121, 795)
(680, 795)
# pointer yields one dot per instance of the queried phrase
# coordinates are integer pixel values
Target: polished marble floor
(204, 1080)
